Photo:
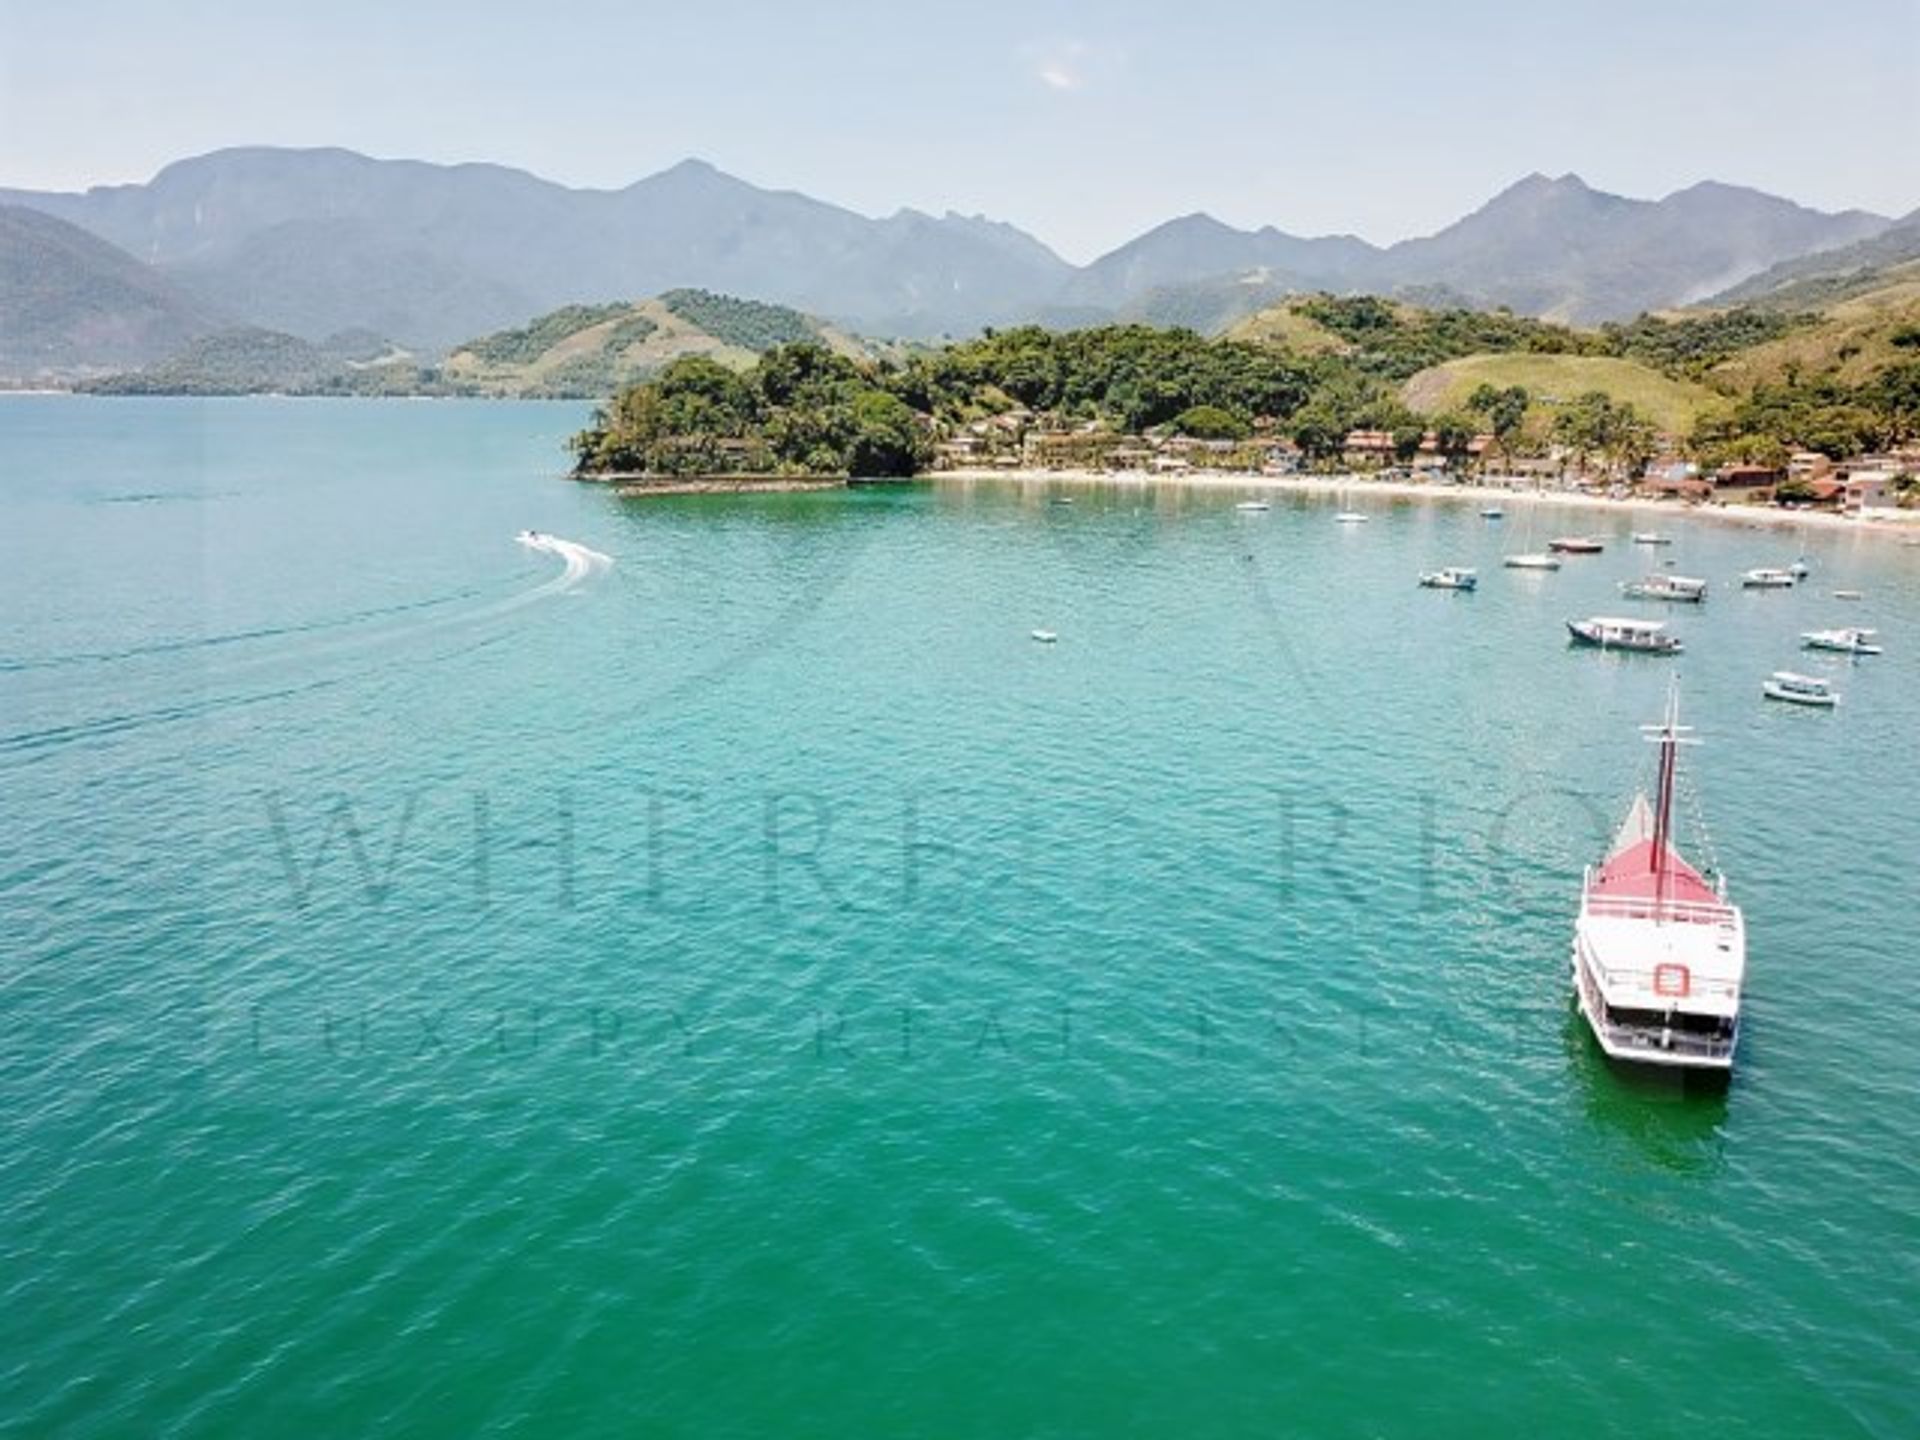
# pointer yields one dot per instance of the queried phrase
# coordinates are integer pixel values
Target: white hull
(1646, 1045)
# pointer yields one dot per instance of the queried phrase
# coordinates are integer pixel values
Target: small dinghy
(1850, 640)
(1799, 689)
(1253, 505)
(1681, 588)
(1452, 577)
(1046, 637)
(1767, 578)
(1536, 561)
(1651, 537)
(1576, 545)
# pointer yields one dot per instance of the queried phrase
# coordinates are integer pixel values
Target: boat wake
(580, 561)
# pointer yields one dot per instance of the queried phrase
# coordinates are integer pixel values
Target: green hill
(576, 352)
(1673, 405)
(590, 351)
(1856, 338)
(1288, 326)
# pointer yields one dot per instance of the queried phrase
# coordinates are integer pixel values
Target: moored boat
(1767, 578)
(1610, 632)
(1352, 517)
(1651, 537)
(1045, 637)
(1799, 689)
(1849, 640)
(1492, 512)
(1680, 588)
(1451, 577)
(1659, 952)
(1534, 561)
(1253, 505)
(1576, 545)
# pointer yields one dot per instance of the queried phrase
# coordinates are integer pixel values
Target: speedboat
(1769, 579)
(1535, 561)
(1576, 545)
(1452, 577)
(1659, 951)
(1045, 637)
(1253, 505)
(1665, 587)
(1608, 632)
(1799, 689)
(1651, 537)
(1849, 640)
(1492, 512)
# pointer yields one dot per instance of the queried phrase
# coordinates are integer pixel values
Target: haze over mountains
(314, 242)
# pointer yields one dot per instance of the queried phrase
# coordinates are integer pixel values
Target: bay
(751, 987)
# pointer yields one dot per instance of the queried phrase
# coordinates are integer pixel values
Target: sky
(1084, 124)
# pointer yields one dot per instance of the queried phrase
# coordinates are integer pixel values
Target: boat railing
(1640, 907)
(1663, 1040)
(1648, 982)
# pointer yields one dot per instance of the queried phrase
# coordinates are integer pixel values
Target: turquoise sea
(751, 988)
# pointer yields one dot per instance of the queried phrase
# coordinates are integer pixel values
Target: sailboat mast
(1663, 812)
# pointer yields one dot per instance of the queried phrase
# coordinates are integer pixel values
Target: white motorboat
(1799, 689)
(1659, 952)
(1045, 637)
(1680, 588)
(1849, 640)
(1611, 632)
(1251, 505)
(1352, 517)
(1651, 537)
(1492, 512)
(1576, 545)
(1848, 595)
(1769, 579)
(1800, 569)
(1539, 560)
(1451, 577)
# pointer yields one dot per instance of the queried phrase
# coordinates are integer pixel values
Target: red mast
(1663, 816)
(1661, 858)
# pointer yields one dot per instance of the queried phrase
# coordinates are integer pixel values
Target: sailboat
(1531, 559)
(1659, 952)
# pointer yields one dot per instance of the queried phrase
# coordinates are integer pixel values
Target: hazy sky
(1082, 123)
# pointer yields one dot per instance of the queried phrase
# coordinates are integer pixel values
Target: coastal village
(1879, 486)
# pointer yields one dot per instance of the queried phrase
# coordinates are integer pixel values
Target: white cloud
(1062, 66)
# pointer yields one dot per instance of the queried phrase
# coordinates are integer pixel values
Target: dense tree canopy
(801, 409)
(804, 408)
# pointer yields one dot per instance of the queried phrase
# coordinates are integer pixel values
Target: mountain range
(315, 242)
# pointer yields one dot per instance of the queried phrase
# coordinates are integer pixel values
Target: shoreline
(1357, 487)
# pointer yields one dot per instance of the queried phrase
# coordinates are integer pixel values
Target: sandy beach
(1359, 487)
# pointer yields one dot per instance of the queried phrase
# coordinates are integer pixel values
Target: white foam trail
(580, 561)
